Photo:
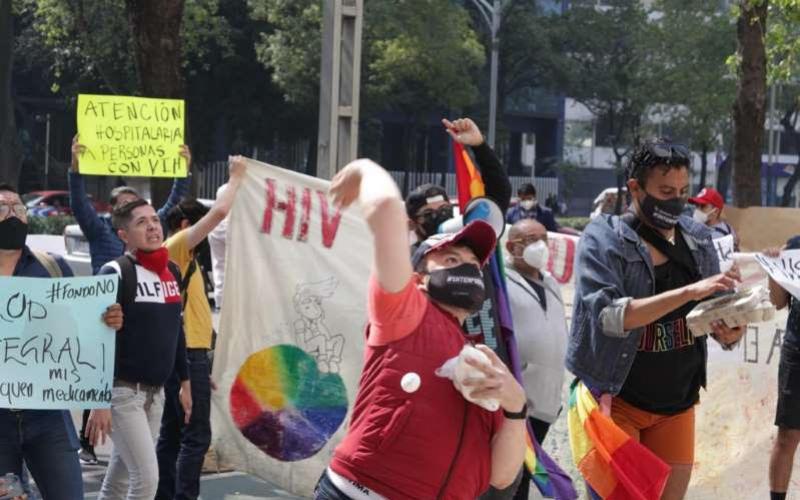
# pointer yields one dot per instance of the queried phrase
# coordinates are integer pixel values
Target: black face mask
(13, 233)
(431, 222)
(460, 286)
(663, 214)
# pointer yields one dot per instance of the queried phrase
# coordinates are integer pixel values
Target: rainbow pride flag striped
(549, 478)
(469, 183)
(615, 465)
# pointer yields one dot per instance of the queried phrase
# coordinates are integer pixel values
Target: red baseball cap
(478, 235)
(708, 196)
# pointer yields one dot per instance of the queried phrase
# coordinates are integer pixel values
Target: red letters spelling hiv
(329, 224)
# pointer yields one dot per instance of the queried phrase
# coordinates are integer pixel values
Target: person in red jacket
(412, 434)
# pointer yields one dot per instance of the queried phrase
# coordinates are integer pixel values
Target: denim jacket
(613, 267)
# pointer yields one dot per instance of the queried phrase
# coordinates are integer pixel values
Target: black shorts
(787, 415)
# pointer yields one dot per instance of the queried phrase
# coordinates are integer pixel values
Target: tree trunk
(750, 106)
(10, 150)
(703, 164)
(156, 29)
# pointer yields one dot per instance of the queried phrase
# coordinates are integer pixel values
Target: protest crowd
(439, 412)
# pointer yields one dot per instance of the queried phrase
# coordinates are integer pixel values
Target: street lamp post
(492, 14)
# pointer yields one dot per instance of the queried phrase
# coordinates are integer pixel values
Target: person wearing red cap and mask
(412, 434)
(708, 210)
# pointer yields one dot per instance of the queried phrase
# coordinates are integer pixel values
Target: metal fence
(211, 176)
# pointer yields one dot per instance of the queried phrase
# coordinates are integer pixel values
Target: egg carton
(737, 309)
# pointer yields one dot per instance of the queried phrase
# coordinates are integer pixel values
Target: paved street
(222, 486)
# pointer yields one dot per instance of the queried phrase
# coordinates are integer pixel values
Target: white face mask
(527, 204)
(536, 255)
(699, 216)
(509, 258)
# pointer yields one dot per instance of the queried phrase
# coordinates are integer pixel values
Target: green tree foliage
(418, 55)
(605, 63)
(530, 50)
(639, 68)
(783, 40)
(421, 54)
(90, 43)
(783, 57)
(291, 46)
(85, 43)
(693, 41)
(74, 46)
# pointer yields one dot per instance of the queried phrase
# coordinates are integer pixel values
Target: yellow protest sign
(131, 136)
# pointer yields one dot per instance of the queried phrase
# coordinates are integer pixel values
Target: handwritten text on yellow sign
(131, 136)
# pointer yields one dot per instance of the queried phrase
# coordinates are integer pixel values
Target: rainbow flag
(549, 478)
(469, 183)
(615, 465)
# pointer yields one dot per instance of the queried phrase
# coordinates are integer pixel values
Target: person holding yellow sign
(104, 244)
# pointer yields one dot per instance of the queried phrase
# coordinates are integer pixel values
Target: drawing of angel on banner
(313, 335)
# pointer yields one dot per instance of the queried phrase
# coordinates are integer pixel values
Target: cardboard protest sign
(131, 136)
(56, 351)
(292, 327)
(784, 269)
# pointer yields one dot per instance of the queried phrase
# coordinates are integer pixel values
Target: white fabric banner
(290, 343)
(562, 257)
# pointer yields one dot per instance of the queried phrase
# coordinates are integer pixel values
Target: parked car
(77, 251)
(54, 202)
(45, 203)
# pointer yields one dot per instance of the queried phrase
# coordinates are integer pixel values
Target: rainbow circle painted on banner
(284, 405)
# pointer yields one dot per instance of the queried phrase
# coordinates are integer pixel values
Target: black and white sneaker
(87, 456)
